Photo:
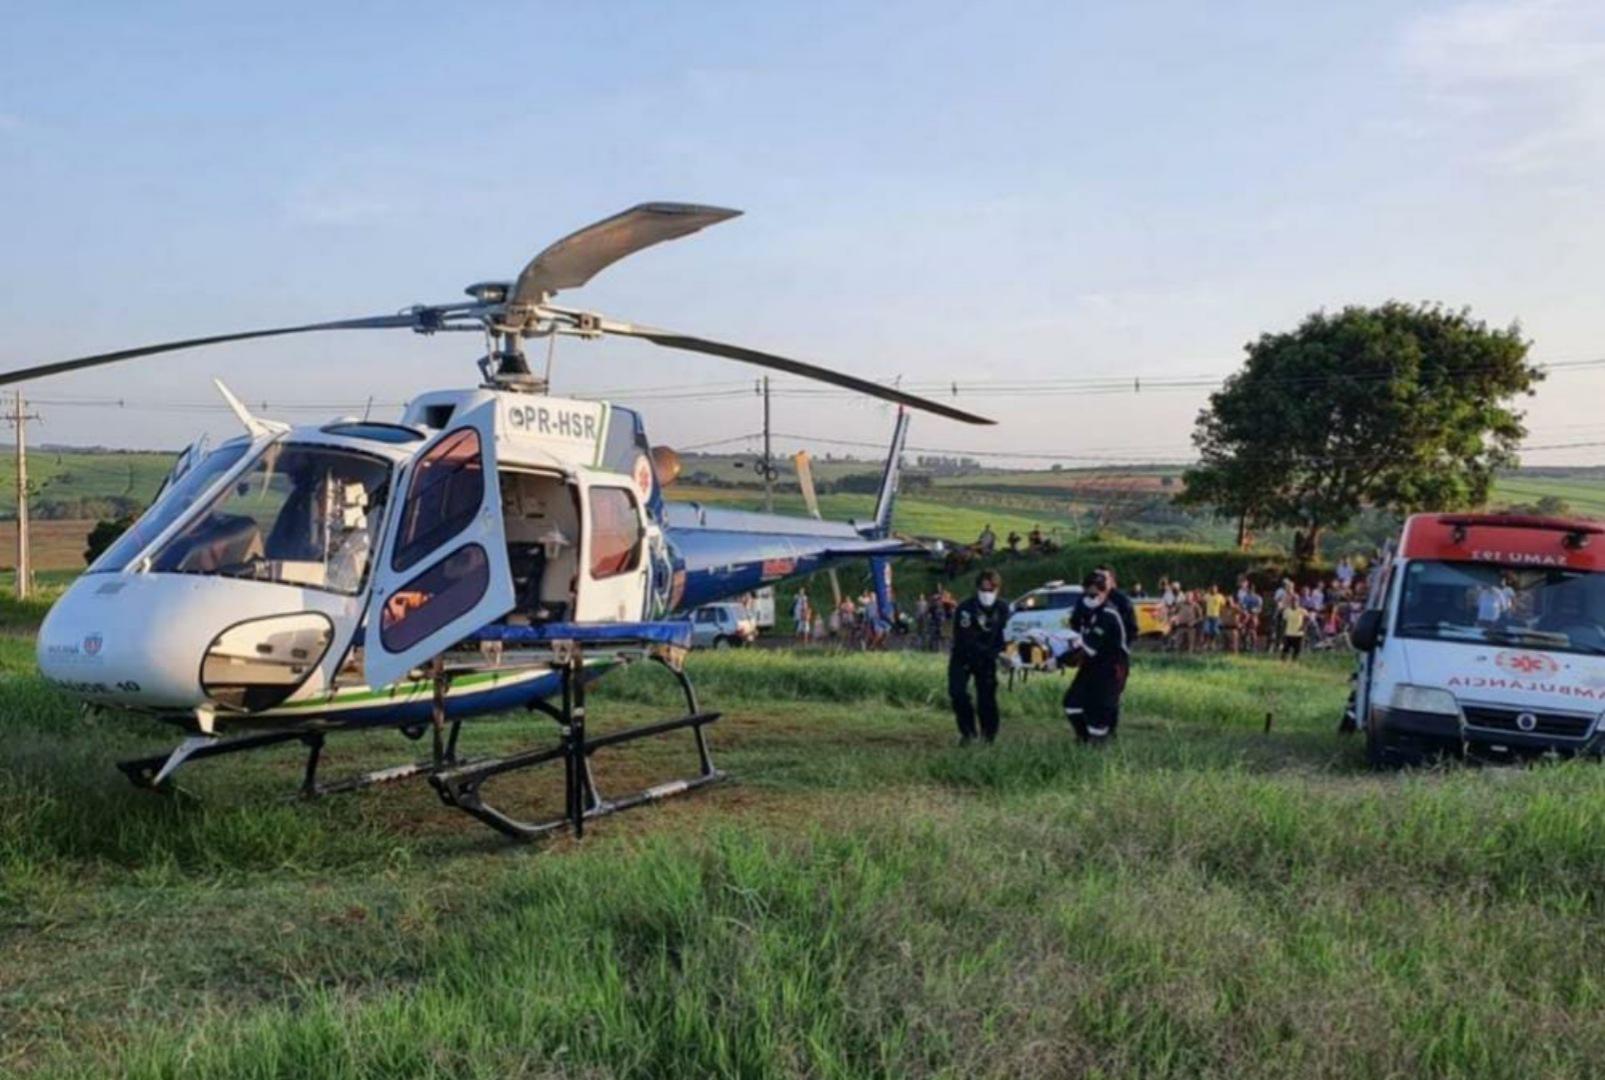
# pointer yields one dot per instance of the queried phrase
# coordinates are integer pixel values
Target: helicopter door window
(616, 532)
(299, 515)
(445, 591)
(446, 492)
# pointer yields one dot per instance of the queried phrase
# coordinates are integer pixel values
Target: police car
(1046, 608)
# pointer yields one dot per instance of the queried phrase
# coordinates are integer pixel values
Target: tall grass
(1200, 899)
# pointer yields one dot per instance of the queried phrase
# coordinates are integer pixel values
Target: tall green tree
(1404, 406)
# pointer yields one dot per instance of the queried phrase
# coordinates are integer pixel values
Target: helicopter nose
(180, 642)
(122, 639)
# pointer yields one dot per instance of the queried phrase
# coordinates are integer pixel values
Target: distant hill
(949, 498)
(68, 482)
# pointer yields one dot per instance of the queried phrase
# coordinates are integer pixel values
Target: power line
(1125, 458)
(1087, 385)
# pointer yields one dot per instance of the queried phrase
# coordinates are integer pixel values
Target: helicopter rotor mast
(508, 312)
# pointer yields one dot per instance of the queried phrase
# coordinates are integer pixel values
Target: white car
(721, 626)
(1046, 608)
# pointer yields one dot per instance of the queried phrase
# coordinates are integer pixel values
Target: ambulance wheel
(721, 643)
(1383, 753)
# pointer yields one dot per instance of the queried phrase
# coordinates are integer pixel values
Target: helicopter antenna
(254, 425)
(551, 354)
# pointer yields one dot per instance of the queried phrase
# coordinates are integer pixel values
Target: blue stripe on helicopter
(624, 633)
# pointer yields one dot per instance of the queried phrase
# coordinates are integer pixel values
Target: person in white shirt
(1491, 604)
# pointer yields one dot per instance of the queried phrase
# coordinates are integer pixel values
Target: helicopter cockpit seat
(528, 562)
(224, 540)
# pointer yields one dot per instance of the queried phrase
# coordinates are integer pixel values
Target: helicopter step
(458, 781)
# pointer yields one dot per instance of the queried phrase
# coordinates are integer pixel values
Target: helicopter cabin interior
(541, 518)
(574, 554)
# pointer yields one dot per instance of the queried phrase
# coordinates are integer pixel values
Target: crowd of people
(1283, 620)
(858, 622)
(1097, 637)
(1034, 542)
(1286, 621)
(854, 622)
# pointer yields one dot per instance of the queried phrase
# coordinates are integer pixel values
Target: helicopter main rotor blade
(580, 256)
(377, 322)
(670, 339)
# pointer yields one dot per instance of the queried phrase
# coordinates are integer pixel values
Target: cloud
(1527, 77)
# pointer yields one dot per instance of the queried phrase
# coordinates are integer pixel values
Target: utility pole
(768, 469)
(19, 419)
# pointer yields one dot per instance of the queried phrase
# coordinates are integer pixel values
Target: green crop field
(1203, 899)
(83, 483)
(917, 516)
(1584, 494)
(737, 468)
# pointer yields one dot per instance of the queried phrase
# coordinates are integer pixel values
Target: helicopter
(494, 548)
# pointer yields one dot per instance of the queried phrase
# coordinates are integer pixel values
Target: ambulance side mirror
(1367, 630)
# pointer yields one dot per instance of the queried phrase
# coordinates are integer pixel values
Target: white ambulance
(1484, 635)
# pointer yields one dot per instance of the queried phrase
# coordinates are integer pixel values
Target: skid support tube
(582, 801)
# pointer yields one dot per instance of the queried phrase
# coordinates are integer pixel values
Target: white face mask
(1092, 601)
(987, 597)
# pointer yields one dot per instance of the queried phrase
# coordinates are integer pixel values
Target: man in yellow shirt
(1294, 622)
(1214, 604)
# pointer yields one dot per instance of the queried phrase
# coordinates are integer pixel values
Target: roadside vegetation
(863, 899)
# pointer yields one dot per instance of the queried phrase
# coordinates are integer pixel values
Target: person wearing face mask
(1121, 604)
(1101, 655)
(977, 642)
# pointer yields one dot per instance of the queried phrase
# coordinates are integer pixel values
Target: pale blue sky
(937, 191)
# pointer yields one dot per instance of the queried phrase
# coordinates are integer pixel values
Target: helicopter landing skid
(156, 772)
(458, 781)
(459, 785)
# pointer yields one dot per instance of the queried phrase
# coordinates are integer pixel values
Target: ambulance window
(446, 492)
(434, 598)
(615, 532)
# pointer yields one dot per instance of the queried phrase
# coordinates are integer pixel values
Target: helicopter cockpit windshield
(174, 502)
(302, 515)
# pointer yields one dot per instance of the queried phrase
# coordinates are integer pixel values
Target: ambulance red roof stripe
(1506, 539)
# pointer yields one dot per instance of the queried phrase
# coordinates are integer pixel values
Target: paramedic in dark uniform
(1121, 604)
(1092, 704)
(977, 641)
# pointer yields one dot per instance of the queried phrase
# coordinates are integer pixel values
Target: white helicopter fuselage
(306, 577)
(236, 600)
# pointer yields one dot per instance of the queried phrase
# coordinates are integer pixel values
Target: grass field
(68, 478)
(1585, 495)
(951, 519)
(1202, 899)
(54, 545)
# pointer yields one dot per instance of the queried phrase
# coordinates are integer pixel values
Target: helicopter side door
(616, 566)
(442, 571)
